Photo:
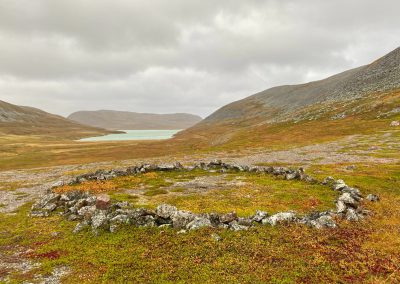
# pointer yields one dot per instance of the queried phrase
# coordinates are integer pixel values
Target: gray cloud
(178, 55)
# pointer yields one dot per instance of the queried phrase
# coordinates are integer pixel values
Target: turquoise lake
(135, 135)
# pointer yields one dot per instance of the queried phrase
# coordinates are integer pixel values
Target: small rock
(57, 184)
(373, 198)
(395, 123)
(80, 226)
(216, 237)
(328, 181)
(103, 202)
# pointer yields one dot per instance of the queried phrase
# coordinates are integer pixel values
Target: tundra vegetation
(353, 140)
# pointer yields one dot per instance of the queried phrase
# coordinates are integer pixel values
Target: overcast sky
(193, 56)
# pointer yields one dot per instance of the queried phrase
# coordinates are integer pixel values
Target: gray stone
(328, 181)
(280, 218)
(99, 220)
(323, 222)
(339, 185)
(87, 211)
(50, 207)
(216, 237)
(259, 216)
(348, 199)
(57, 184)
(180, 219)
(199, 222)
(227, 218)
(340, 207)
(373, 198)
(165, 210)
(80, 226)
(395, 123)
(351, 215)
(235, 226)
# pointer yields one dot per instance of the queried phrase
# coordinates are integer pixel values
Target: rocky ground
(18, 187)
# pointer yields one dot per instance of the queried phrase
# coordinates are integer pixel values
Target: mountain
(336, 97)
(23, 120)
(115, 120)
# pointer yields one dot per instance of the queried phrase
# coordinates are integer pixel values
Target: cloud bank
(177, 55)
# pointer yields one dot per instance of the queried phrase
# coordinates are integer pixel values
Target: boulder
(165, 211)
(103, 202)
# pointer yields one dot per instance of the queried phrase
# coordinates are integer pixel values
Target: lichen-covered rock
(87, 211)
(351, 215)
(165, 210)
(348, 199)
(45, 200)
(199, 222)
(180, 219)
(280, 218)
(339, 185)
(325, 221)
(80, 226)
(235, 226)
(99, 220)
(259, 216)
(227, 218)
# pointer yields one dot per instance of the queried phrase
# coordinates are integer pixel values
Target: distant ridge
(125, 120)
(298, 102)
(23, 120)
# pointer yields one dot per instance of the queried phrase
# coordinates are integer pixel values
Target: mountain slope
(115, 120)
(22, 120)
(334, 98)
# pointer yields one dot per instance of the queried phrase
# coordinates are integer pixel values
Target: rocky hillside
(125, 120)
(22, 120)
(290, 102)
